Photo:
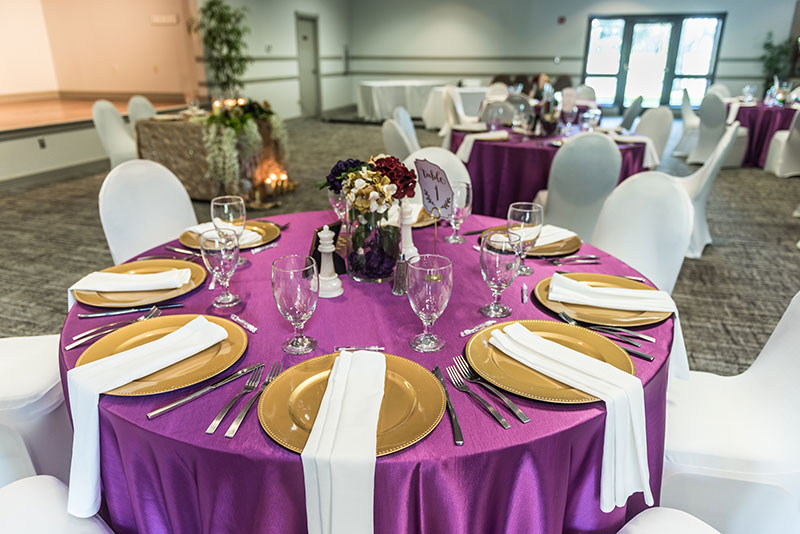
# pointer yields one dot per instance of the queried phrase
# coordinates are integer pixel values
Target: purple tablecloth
(167, 475)
(762, 122)
(503, 172)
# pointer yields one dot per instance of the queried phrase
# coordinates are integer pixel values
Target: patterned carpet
(730, 300)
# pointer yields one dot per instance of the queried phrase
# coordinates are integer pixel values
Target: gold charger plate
(268, 232)
(192, 370)
(128, 299)
(593, 314)
(559, 248)
(509, 374)
(413, 403)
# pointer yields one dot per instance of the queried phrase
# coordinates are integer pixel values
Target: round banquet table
(376, 100)
(503, 172)
(762, 122)
(167, 475)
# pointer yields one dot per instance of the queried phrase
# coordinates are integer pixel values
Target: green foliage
(222, 29)
(777, 58)
(237, 117)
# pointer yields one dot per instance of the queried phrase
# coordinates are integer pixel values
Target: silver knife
(127, 310)
(183, 251)
(201, 392)
(458, 437)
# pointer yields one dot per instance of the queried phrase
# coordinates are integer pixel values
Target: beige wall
(26, 65)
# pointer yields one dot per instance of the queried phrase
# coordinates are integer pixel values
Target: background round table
(376, 100)
(167, 475)
(503, 172)
(762, 122)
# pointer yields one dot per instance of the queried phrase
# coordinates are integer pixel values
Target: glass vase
(374, 243)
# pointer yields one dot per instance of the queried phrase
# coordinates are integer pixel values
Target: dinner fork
(142, 317)
(154, 312)
(459, 384)
(281, 227)
(469, 374)
(273, 372)
(249, 386)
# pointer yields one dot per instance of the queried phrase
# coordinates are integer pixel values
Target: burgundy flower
(404, 178)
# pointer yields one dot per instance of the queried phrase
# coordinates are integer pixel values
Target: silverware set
(274, 371)
(618, 333)
(88, 335)
(185, 251)
(469, 374)
(249, 386)
(580, 259)
(127, 310)
(458, 382)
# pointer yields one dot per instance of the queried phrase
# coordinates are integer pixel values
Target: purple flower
(342, 167)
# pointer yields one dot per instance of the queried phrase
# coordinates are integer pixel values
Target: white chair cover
(657, 125)
(32, 401)
(15, 462)
(142, 204)
(403, 118)
(583, 173)
(647, 222)
(38, 505)
(691, 128)
(586, 93)
(712, 127)
(731, 443)
(721, 90)
(453, 167)
(666, 521)
(783, 157)
(631, 113)
(569, 98)
(497, 91)
(139, 107)
(395, 141)
(114, 135)
(470, 82)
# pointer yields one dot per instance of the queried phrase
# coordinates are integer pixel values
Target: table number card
(437, 194)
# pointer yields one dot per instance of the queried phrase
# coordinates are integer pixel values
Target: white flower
(373, 206)
(360, 184)
(390, 189)
(380, 156)
(381, 208)
(374, 196)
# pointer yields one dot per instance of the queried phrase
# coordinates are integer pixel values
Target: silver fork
(459, 384)
(469, 374)
(154, 312)
(273, 372)
(249, 386)
(142, 317)
(282, 227)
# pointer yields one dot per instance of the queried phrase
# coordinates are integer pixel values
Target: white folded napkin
(87, 382)
(339, 456)
(465, 149)
(248, 237)
(563, 289)
(553, 234)
(624, 468)
(651, 157)
(99, 281)
(470, 127)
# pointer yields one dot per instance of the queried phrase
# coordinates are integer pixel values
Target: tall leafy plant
(777, 58)
(222, 29)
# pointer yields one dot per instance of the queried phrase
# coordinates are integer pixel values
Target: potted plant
(777, 59)
(222, 29)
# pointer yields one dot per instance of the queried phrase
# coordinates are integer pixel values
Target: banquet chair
(647, 223)
(38, 505)
(569, 98)
(631, 113)
(395, 141)
(691, 128)
(584, 172)
(453, 167)
(657, 125)
(15, 462)
(712, 127)
(731, 441)
(115, 137)
(142, 204)
(666, 521)
(497, 91)
(403, 118)
(783, 156)
(586, 93)
(454, 107)
(721, 90)
(139, 107)
(32, 401)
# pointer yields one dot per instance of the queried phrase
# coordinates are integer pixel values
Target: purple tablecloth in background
(167, 475)
(762, 122)
(503, 172)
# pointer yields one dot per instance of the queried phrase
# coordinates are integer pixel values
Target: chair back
(469, 82)
(647, 222)
(114, 135)
(631, 113)
(719, 89)
(15, 462)
(687, 111)
(791, 154)
(569, 98)
(584, 172)
(395, 141)
(142, 204)
(712, 127)
(777, 365)
(497, 91)
(403, 118)
(586, 93)
(139, 107)
(453, 167)
(657, 125)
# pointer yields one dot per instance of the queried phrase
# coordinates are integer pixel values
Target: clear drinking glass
(499, 266)
(462, 207)
(338, 203)
(429, 282)
(229, 213)
(220, 251)
(525, 219)
(295, 286)
(568, 117)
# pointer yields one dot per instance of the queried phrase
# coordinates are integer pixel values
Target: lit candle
(241, 101)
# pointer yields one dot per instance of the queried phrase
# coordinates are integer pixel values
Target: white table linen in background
(651, 157)
(434, 115)
(98, 281)
(86, 382)
(376, 100)
(465, 148)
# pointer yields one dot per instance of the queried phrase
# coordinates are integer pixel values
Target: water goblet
(228, 212)
(499, 267)
(220, 252)
(338, 203)
(429, 282)
(568, 116)
(295, 287)
(525, 220)
(462, 207)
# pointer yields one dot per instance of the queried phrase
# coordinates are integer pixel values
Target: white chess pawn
(409, 217)
(329, 284)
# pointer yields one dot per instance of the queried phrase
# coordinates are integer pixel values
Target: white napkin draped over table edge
(624, 467)
(651, 157)
(86, 382)
(101, 281)
(248, 237)
(465, 149)
(339, 456)
(564, 289)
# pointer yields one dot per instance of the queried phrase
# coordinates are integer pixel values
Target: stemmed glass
(525, 220)
(229, 213)
(295, 286)
(338, 203)
(499, 267)
(429, 282)
(462, 207)
(568, 116)
(220, 251)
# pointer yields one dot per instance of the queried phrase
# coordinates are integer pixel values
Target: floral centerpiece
(372, 190)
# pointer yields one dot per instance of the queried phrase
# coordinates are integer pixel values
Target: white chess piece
(329, 284)
(409, 250)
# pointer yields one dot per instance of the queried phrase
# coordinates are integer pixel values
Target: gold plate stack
(559, 248)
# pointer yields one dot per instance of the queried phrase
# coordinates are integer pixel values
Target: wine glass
(228, 212)
(499, 266)
(525, 220)
(338, 203)
(295, 286)
(220, 251)
(568, 116)
(462, 207)
(429, 282)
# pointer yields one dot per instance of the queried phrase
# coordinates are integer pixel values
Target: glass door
(647, 62)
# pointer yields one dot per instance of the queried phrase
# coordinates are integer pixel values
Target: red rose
(402, 177)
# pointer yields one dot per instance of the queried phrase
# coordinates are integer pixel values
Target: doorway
(308, 65)
(656, 57)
